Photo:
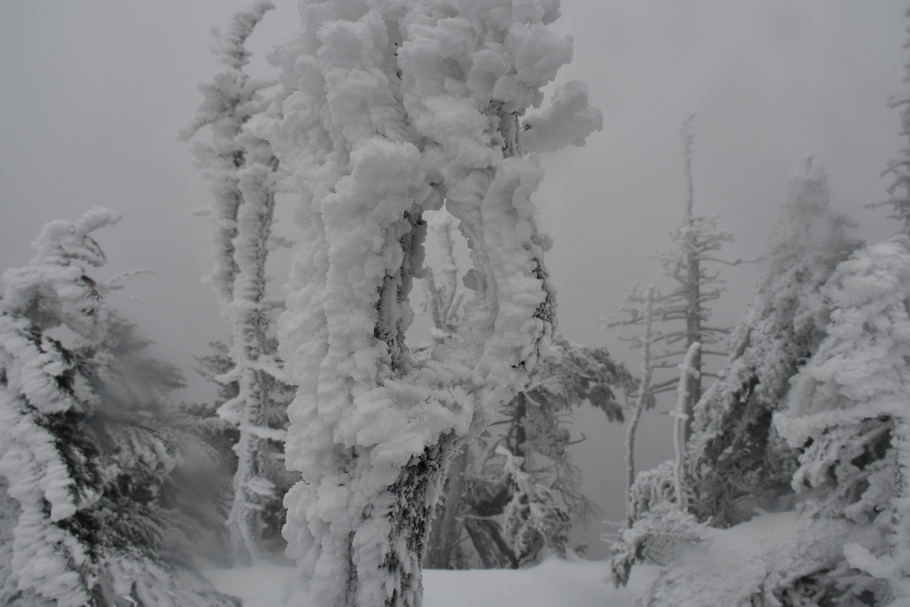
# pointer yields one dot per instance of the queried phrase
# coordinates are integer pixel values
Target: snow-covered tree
(224, 435)
(840, 537)
(641, 398)
(899, 190)
(86, 451)
(391, 109)
(245, 178)
(531, 428)
(680, 318)
(736, 459)
(847, 416)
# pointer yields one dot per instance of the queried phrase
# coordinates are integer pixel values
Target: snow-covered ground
(553, 583)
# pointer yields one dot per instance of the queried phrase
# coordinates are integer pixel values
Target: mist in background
(92, 95)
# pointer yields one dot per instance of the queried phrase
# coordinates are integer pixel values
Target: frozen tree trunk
(692, 289)
(445, 532)
(250, 331)
(695, 243)
(640, 401)
(681, 421)
(389, 111)
(243, 171)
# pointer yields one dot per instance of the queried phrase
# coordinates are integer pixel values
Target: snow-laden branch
(568, 120)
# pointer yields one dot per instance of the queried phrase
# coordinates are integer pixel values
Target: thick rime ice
(51, 290)
(532, 482)
(809, 415)
(531, 517)
(569, 119)
(244, 173)
(845, 420)
(847, 409)
(66, 439)
(391, 109)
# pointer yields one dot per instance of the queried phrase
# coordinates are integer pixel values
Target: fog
(94, 92)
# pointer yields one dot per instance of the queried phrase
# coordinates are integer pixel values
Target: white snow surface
(553, 583)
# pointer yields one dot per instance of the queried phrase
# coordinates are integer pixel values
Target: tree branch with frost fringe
(694, 243)
(388, 112)
(245, 178)
(687, 369)
(899, 190)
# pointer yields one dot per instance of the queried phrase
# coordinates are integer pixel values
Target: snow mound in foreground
(750, 563)
(553, 583)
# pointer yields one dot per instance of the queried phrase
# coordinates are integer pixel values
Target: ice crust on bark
(391, 109)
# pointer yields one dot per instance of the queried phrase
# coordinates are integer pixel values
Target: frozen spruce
(390, 110)
(671, 322)
(847, 415)
(88, 442)
(245, 177)
(899, 168)
(737, 461)
(842, 535)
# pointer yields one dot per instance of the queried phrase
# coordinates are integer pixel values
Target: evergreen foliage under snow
(88, 442)
(737, 461)
(245, 178)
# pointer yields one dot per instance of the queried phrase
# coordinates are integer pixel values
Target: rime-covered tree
(390, 110)
(531, 445)
(643, 392)
(470, 527)
(736, 459)
(680, 318)
(841, 538)
(223, 435)
(88, 441)
(245, 177)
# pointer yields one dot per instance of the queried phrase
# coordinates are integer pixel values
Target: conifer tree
(531, 446)
(736, 458)
(388, 111)
(846, 417)
(736, 461)
(680, 318)
(86, 450)
(245, 177)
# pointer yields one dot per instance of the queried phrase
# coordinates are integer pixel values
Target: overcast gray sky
(93, 92)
